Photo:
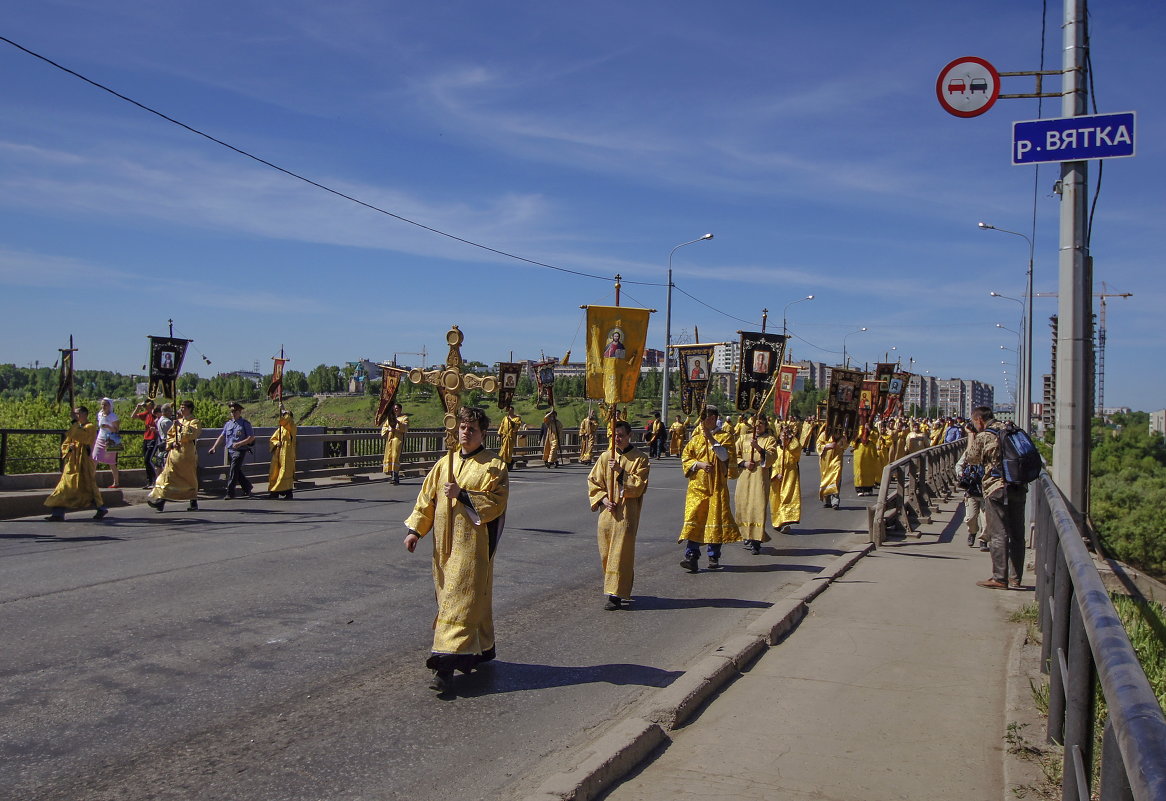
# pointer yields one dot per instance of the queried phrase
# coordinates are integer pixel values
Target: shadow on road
(508, 677)
(653, 602)
(62, 538)
(770, 567)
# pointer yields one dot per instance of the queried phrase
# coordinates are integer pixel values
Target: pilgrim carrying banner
(165, 361)
(761, 356)
(615, 350)
(508, 373)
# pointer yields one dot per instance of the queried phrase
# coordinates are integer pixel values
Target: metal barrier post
(1078, 707)
(1058, 647)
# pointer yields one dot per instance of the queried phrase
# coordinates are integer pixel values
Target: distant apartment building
(1158, 422)
(948, 397)
(726, 358)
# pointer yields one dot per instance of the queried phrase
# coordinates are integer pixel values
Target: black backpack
(1021, 462)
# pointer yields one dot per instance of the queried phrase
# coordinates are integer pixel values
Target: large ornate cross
(451, 382)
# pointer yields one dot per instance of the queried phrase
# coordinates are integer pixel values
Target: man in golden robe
(709, 461)
(615, 488)
(281, 476)
(587, 427)
(756, 451)
(179, 479)
(785, 483)
(77, 488)
(508, 436)
(830, 450)
(552, 437)
(867, 465)
(394, 431)
(466, 514)
(676, 434)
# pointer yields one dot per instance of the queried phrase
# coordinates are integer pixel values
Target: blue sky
(590, 136)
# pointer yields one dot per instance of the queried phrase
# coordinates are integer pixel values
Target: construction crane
(422, 354)
(1104, 294)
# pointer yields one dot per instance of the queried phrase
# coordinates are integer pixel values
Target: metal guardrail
(1083, 642)
(344, 449)
(908, 487)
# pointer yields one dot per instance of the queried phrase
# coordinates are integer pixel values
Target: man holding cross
(466, 514)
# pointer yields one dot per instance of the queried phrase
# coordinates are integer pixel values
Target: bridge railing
(1083, 643)
(908, 487)
(320, 452)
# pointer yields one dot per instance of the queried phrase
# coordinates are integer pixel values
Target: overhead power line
(309, 181)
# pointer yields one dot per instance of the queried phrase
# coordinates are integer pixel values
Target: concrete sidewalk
(893, 686)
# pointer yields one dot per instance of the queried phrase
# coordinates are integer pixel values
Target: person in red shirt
(144, 411)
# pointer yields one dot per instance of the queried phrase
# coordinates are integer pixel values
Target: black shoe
(102, 512)
(157, 506)
(192, 508)
(55, 519)
(442, 682)
(691, 565)
(246, 493)
(826, 504)
(287, 496)
(755, 548)
(613, 603)
(396, 478)
(714, 563)
(971, 540)
(488, 655)
(230, 495)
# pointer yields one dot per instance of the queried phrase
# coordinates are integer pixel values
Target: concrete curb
(633, 739)
(610, 758)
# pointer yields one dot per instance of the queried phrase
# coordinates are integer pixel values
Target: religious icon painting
(166, 354)
(615, 345)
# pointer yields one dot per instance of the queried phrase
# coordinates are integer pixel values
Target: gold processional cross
(451, 382)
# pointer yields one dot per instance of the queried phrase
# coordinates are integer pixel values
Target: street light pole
(1024, 419)
(668, 330)
(845, 360)
(784, 329)
(1024, 392)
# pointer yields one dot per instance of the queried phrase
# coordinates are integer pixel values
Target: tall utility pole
(1075, 343)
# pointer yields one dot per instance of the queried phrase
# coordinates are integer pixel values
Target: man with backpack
(1004, 491)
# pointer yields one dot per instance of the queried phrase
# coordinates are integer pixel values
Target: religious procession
(741, 465)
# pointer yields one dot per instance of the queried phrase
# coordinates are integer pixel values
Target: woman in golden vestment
(179, 478)
(785, 485)
(756, 451)
(394, 431)
(281, 476)
(830, 450)
(625, 471)
(77, 488)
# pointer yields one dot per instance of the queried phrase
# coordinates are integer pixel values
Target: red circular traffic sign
(967, 87)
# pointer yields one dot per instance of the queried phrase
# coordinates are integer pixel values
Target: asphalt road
(275, 650)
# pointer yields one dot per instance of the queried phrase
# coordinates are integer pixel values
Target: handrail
(909, 484)
(1083, 639)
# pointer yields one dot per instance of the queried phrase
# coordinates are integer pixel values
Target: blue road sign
(1101, 136)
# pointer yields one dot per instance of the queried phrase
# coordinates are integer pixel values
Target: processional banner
(868, 401)
(390, 380)
(761, 356)
(275, 388)
(695, 363)
(65, 381)
(842, 402)
(165, 360)
(616, 336)
(896, 389)
(544, 378)
(508, 373)
(782, 397)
